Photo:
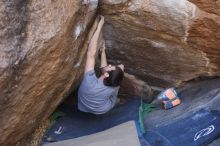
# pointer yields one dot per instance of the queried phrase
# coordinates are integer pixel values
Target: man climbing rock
(99, 95)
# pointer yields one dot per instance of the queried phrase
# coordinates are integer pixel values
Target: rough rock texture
(134, 87)
(43, 43)
(164, 42)
(41, 59)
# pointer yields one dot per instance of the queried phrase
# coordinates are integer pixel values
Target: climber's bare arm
(90, 61)
(103, 57)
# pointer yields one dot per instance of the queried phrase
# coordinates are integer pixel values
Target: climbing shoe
(169, 98)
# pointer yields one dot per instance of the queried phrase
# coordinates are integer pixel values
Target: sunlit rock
(164, 42)
(42, 51)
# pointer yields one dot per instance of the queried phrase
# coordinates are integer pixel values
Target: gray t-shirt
(94, 97)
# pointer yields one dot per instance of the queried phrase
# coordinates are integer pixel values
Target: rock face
(133, 87)
(42, 46)
(164, 42)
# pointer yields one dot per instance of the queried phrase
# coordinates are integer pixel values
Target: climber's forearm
(90, 61)
(94, 41)
(103, 59)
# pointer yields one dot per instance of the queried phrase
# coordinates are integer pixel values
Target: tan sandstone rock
(43, 45)
(42, 48)
(133, 87)
(164, 42)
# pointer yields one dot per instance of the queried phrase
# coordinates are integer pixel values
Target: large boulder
(164, 42)
(42, 49)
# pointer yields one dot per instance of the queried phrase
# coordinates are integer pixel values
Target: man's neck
(102, 77)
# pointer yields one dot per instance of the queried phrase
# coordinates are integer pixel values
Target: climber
(99, 95)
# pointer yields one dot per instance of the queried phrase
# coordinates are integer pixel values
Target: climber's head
(113, 75)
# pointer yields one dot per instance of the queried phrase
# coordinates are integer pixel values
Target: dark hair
(115, 77)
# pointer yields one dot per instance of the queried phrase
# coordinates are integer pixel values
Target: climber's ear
(106, 74)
